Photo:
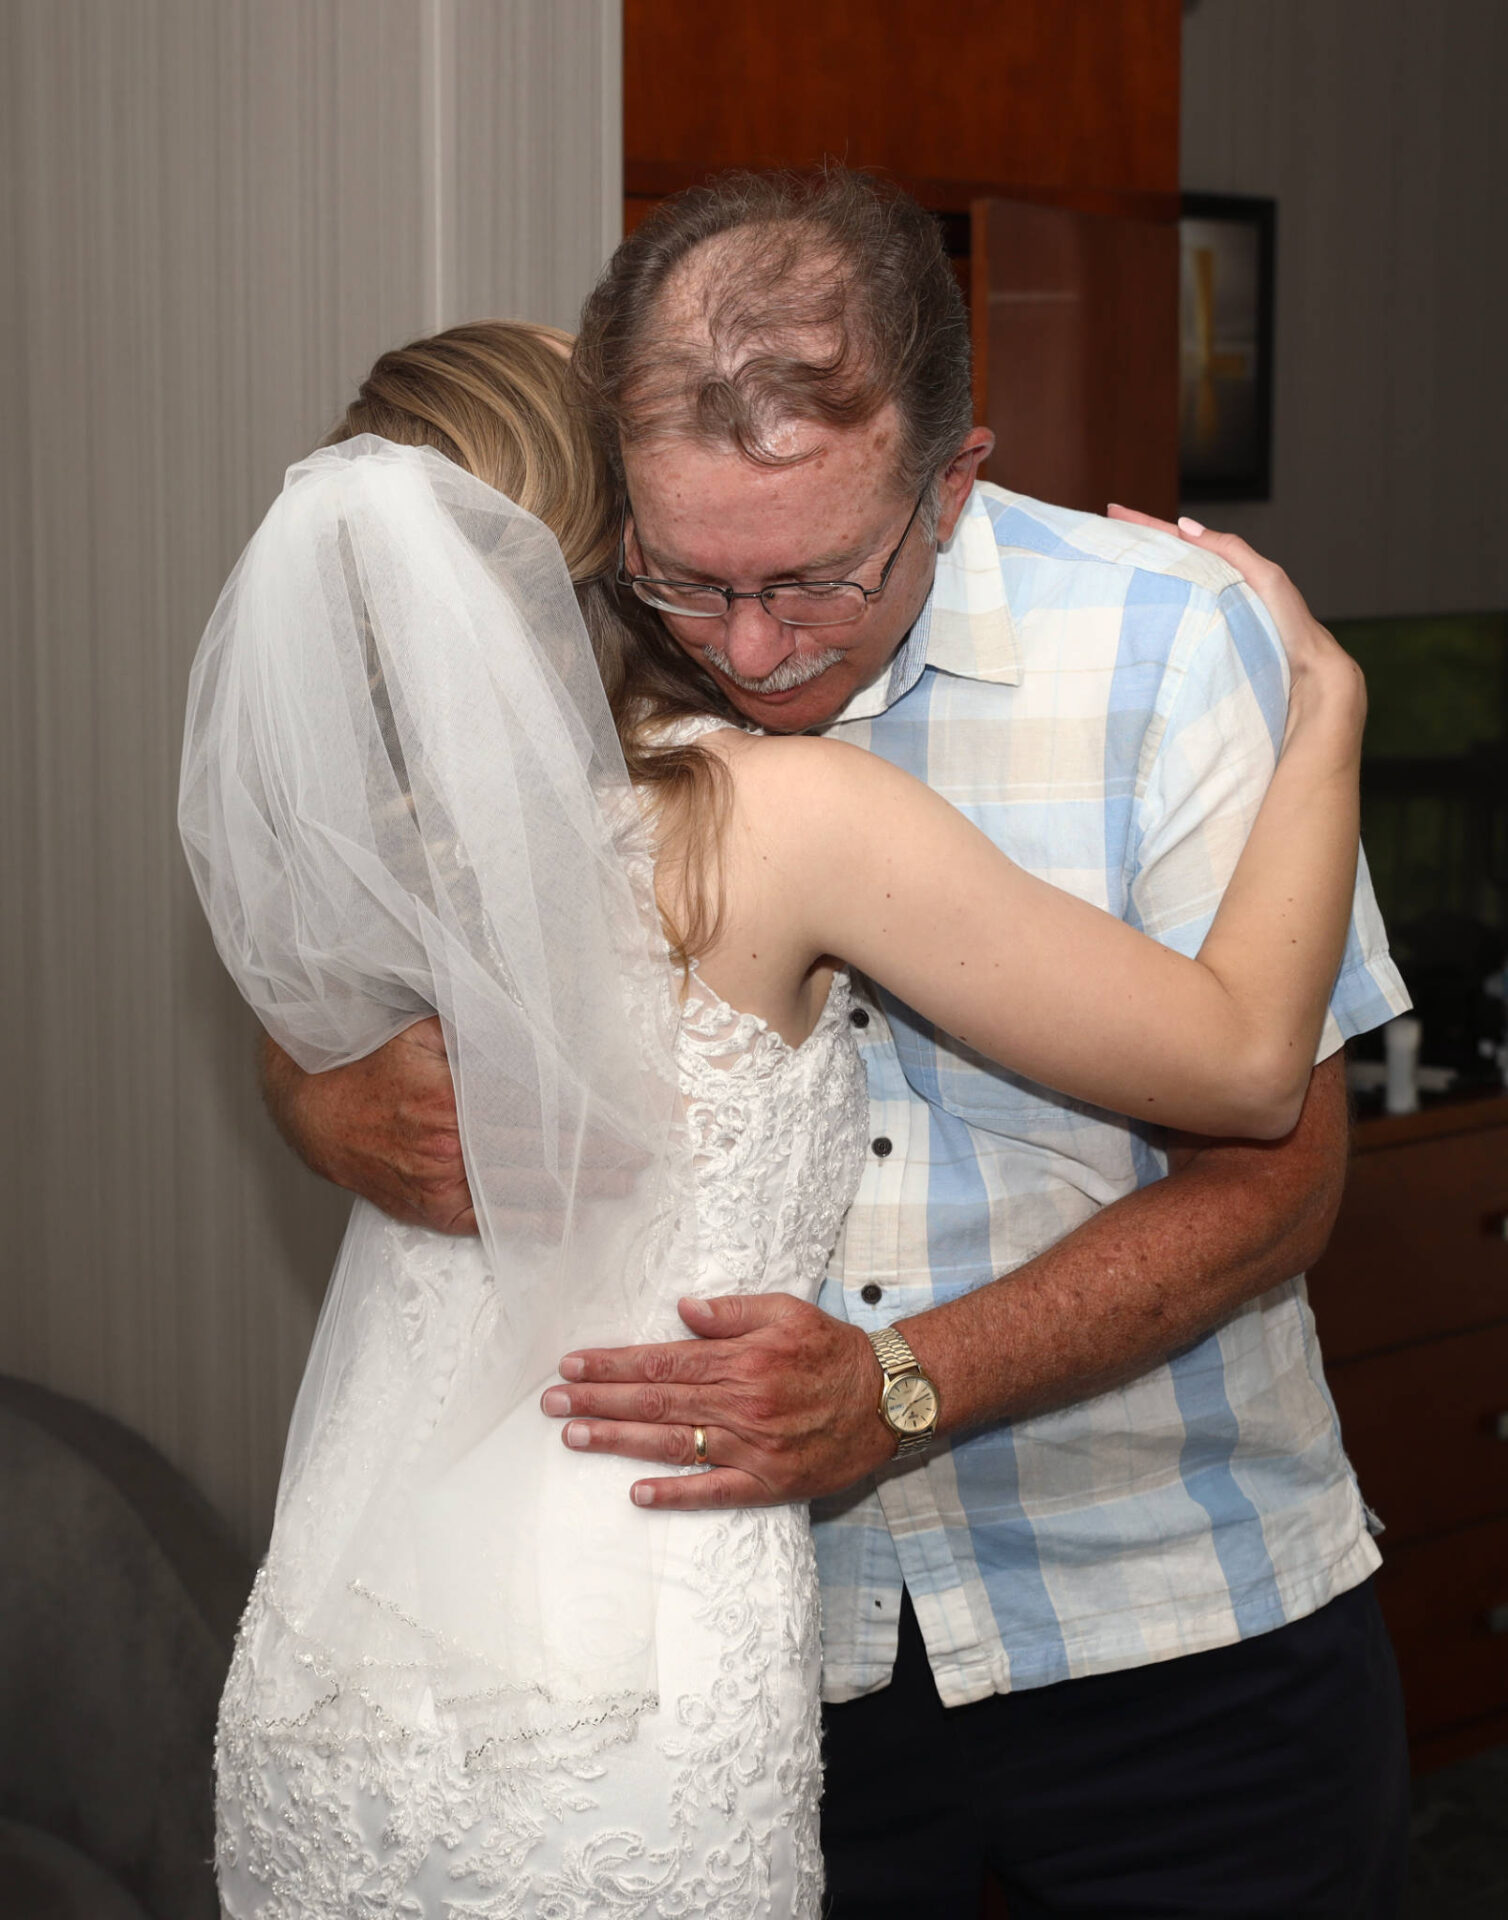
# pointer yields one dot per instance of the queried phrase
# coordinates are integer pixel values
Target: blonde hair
(500, 398)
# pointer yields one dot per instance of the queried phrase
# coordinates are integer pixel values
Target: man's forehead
(709, 507)
(656, 459)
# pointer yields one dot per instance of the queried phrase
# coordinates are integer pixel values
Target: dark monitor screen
(1435, 815)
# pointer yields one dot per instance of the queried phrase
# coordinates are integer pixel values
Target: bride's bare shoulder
(793, 763)
(782, 786)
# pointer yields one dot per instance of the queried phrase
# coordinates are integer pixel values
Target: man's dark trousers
(1266, 1778)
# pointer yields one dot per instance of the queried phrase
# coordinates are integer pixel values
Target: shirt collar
(965, 628)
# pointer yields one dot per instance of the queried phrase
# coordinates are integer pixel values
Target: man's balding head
(761, 302)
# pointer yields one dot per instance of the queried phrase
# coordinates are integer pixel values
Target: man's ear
(958, 476)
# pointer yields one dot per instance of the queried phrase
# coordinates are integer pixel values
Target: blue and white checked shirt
(1106, 704)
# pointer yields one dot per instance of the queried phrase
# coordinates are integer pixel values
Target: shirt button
(859, 1017)
(871, 1295)
(881, 1146)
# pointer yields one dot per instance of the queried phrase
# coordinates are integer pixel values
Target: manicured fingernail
(577, 1433)
(572, 1367)
(644, 1495)
(556, 1400)
(1191, 527)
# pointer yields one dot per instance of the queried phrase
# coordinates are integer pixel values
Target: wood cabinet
(1044, 136)
(1411, 1301)
(1023, 97)
(1075, 326)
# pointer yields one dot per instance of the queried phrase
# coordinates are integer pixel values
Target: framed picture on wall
(1227, 245)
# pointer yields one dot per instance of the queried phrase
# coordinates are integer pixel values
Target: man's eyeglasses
(794, 603)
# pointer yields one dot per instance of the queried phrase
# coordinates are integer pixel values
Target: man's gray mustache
(794, 672)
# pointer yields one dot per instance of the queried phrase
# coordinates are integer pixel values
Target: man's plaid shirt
(1106, 704)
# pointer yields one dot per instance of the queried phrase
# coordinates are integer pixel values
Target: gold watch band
(893, 1351)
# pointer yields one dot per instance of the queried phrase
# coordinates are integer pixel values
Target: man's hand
(787, 1395)
(384, 1127)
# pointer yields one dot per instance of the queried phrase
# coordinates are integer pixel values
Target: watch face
(910, 1404)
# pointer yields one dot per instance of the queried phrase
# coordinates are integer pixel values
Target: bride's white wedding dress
(706, 1802)
(473, 1678)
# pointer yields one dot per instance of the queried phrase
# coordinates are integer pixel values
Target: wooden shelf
(1473, 1114)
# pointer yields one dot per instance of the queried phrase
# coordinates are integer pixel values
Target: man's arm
(789, 1395)
(384, 1127)
(1151, 1274)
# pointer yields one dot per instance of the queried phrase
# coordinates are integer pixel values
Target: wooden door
(1075, 321)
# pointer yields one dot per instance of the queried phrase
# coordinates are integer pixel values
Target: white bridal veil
(403, 794)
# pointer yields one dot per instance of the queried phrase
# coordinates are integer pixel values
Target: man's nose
(754, 640)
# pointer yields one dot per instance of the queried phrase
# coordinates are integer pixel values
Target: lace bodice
(776, 1140)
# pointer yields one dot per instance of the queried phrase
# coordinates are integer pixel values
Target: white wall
(1380, 128)
(213, 214)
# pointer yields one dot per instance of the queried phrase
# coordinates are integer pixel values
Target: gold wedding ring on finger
(699, 1446)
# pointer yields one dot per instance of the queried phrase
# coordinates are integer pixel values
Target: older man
(1111, 1629)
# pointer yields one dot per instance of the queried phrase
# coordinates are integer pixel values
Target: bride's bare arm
(900, 885)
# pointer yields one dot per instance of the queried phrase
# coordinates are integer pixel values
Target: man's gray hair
(815, 298)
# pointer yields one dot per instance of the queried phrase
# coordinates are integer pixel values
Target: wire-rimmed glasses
(794, 603)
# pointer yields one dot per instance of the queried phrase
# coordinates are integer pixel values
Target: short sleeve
(1208, 762)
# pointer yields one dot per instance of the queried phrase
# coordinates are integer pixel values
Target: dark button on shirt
(881, 1146)
(859, 1016)
(871, 1294)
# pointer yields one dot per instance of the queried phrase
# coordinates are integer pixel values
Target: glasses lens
(674, 596)
(818, 604)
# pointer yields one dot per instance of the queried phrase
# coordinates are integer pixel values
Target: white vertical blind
(214, 214)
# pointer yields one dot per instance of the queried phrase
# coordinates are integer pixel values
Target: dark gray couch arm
(119, 1595)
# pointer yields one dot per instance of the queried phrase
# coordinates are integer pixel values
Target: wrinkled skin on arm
(384, 1127)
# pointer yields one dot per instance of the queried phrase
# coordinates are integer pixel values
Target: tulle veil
(402, 793)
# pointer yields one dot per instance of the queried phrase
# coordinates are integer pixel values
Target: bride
(420, 777)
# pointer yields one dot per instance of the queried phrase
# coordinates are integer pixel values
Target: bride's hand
(1317, 662)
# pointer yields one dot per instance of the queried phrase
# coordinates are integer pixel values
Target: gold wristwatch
(909, 1403)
